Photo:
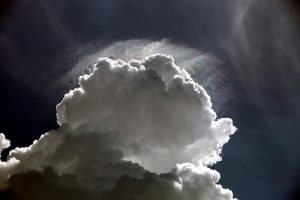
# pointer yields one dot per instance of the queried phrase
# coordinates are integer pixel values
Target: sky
(245, 54)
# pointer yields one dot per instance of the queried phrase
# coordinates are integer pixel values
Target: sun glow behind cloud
(205, 68)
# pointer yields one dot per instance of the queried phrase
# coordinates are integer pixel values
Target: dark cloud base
(47, 185)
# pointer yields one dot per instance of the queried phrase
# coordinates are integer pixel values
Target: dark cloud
(49, 185)
(46, 184)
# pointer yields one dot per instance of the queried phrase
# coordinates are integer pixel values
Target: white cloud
(4, 143)
(128, 118)
(156, 108)
(205, 68)
(200, 183)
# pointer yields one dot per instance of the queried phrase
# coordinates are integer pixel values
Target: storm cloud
(125, 124)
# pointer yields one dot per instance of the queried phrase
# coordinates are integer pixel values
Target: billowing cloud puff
(155, 108)
(204, 68)
(122, 125)
(4, 143)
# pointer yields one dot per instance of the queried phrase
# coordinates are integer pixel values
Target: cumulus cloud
(185, 182)
(123, 125)
(4, 143)
(205, 68)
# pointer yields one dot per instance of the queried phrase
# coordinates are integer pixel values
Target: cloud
(185, 182)
(4, 143)
(271, 56)
(205, 68)
(124, 121)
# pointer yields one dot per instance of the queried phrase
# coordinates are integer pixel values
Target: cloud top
(203, 67)
(154, 106)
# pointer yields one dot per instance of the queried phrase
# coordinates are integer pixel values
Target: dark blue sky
(258, 43)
